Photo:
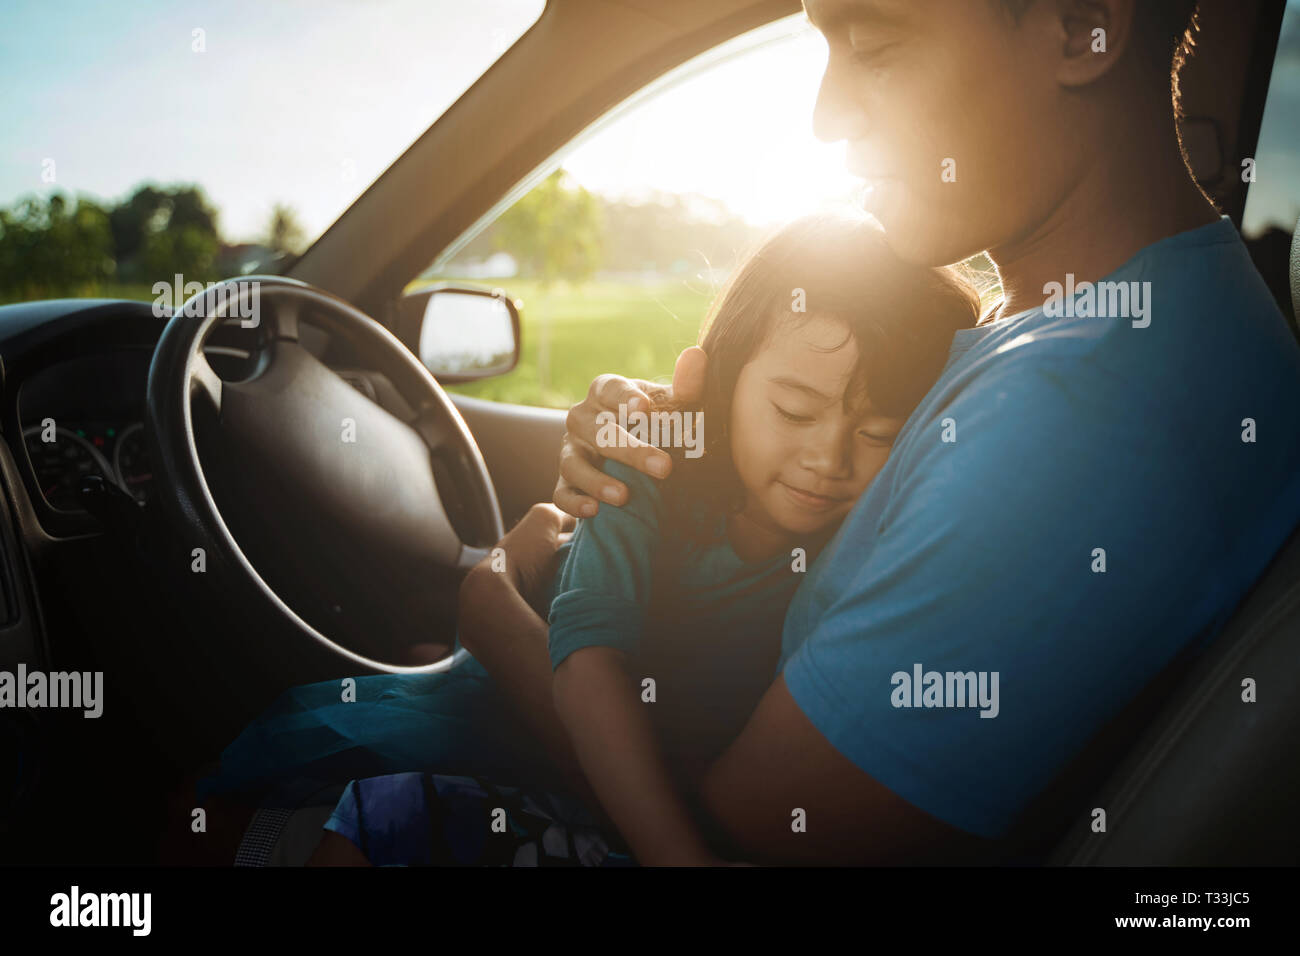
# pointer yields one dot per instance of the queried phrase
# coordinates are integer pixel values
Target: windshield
(1273, 200)
(133, 122)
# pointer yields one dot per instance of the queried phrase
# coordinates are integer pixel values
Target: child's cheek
(754, 446)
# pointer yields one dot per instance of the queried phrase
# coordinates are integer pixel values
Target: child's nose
(830, 454)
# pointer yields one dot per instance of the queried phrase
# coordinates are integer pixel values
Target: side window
(1273, 196)
(617, 253)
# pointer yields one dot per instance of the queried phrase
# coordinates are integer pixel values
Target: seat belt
(1295, 272)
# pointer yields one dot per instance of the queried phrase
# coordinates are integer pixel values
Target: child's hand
(530, 549)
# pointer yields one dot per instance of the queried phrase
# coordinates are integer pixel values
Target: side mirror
(460, 333)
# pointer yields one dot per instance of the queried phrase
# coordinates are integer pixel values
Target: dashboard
(75, 374)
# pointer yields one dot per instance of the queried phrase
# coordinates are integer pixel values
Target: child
(666, 614)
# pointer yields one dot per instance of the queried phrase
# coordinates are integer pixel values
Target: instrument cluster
(63, 453)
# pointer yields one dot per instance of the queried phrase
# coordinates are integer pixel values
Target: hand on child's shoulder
(636, 481)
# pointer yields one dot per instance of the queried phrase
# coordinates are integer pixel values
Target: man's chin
(920, 239)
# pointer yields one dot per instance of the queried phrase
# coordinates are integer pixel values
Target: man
(1105, 466)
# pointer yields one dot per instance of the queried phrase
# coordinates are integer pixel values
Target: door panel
(521, 446)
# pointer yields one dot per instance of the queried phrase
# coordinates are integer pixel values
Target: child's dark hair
(835, 266)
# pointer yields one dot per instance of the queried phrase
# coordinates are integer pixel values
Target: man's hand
(581, 477)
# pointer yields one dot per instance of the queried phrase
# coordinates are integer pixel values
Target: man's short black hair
(1164, 28)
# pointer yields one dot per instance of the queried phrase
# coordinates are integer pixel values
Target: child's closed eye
(791, 416)
(879, 437)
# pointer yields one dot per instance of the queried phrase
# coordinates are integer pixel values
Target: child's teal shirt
(700, 622)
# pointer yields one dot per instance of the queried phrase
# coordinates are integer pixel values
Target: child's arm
(507, 637)
(600, 705)
(596, 625)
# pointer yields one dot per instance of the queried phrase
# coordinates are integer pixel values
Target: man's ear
(1094, 35)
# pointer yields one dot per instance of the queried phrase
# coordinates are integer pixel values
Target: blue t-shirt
(691, 614)
(1076, 500)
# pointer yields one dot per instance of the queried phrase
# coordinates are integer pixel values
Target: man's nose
(837, 115)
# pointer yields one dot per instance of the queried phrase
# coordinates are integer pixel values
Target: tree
(554, 232)
(188, 251)
(285, 234)
(56, 246)
(53, 246)
(129, 220)
(139, 226)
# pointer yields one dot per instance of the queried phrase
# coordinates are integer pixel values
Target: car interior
(200, 539)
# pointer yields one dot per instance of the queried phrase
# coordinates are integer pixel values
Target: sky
(740, 132)
(303, 102)
(1274, 198)
(306, 102)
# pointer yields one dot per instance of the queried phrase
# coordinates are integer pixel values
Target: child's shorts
(425, 819)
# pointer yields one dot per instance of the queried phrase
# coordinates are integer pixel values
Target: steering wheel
(340, 502)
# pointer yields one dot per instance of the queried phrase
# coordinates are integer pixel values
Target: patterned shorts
(425, 819)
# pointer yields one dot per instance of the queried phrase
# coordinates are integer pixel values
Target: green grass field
(592, 328)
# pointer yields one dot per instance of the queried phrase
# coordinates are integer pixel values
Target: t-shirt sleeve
(1020, 564)
(603, 588)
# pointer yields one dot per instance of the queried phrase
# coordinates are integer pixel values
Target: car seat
(1213, 780)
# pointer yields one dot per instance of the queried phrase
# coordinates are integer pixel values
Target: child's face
(802, 457)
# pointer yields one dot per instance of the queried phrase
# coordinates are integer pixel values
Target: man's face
(952, 114)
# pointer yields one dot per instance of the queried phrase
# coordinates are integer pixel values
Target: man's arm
(784, 795)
